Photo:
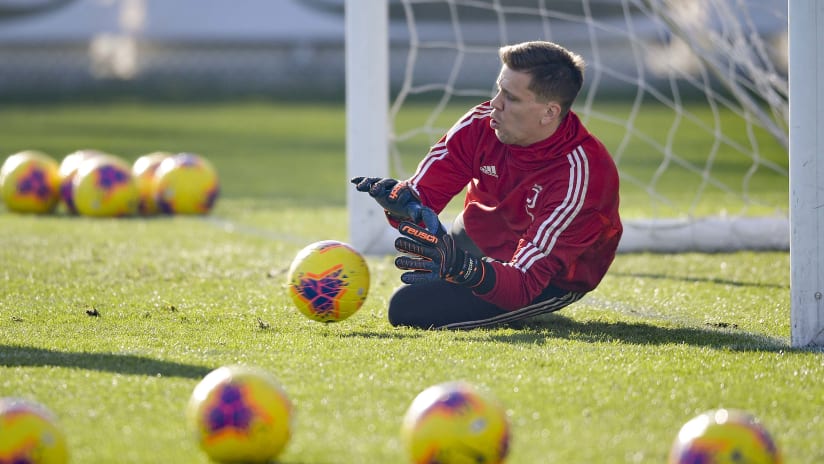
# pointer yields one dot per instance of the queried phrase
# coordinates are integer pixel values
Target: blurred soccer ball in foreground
(240, 414)
(68, 168)
(186, 183)
(724, 436)
(29, 182)
(144, 170)
(328, 281)
(454, 422)
(104, 186)
(29, 433)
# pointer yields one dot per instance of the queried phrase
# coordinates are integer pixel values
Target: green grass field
(610, 379)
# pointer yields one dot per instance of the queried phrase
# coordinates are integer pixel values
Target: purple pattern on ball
(230, 412)
(322, 292)
(34, 183)
(110, 177)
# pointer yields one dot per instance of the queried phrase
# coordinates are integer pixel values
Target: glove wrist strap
(475, 273)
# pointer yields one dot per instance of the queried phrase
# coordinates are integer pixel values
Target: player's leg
(462, 239)
(443, 305)
(551, 300)
(435, 304)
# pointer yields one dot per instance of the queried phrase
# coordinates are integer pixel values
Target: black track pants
(442, 305)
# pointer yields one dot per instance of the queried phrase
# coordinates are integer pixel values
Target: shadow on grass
(397, 333)
(539, 329)
(26, 356)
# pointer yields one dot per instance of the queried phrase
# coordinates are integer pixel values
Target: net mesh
(690, 97)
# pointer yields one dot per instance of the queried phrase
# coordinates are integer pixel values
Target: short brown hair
(557, 73)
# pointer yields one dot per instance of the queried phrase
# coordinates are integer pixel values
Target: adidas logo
(489, 170)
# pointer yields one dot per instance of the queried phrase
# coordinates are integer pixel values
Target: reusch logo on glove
(418, 233)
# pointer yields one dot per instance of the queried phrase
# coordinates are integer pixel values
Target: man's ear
(552, 112)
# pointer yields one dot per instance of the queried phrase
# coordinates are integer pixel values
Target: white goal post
(367, 124)
(806, 19)
(669, 53)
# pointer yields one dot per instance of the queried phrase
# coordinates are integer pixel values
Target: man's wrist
(486, 279)
(474, 273)
(394, 217)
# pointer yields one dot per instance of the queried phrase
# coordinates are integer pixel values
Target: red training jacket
(547, 213)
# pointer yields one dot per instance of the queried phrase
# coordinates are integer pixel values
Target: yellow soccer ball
(328, 281)
(186, 183)
(240, 414)
(144, 170)
(29, 433)
(103, 186)
(455, 423)
(29, 182)
(68, 168)
(724, 436)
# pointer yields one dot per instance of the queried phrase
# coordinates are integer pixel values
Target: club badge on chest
(532, 200)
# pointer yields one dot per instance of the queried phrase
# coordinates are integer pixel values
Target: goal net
(689, 96)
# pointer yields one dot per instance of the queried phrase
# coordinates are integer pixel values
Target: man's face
(518, 118)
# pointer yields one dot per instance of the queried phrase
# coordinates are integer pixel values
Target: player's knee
(398, 313)
(397, 318)
(402, 308)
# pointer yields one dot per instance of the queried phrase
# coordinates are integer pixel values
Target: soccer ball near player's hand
(455, 423)
(328, 281)
(240, 414)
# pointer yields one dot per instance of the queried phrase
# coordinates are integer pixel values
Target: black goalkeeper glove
(432, 257)
(399, 201)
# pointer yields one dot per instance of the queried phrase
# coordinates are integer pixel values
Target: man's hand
(399, 201)
(432, 257)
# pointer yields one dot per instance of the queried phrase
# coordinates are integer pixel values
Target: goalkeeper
(540, 225)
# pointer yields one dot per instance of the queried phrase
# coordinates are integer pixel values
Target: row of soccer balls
(242, 414)
(94, 183)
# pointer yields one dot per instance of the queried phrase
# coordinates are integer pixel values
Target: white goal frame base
(706, 235)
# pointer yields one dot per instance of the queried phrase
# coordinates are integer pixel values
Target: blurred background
(690, 96)
(284, 48)
(177, 49)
